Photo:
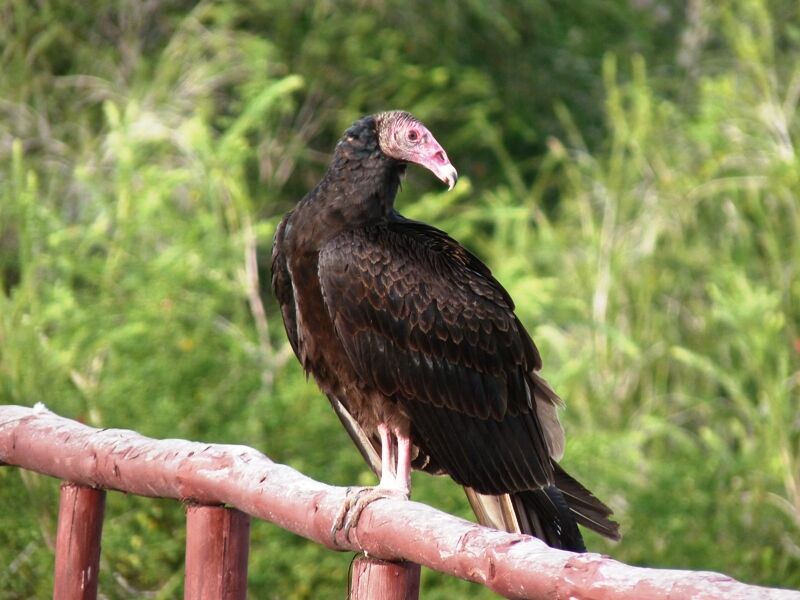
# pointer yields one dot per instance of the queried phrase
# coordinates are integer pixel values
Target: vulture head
(402, 137)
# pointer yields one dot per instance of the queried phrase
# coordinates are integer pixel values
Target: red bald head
(402, 137)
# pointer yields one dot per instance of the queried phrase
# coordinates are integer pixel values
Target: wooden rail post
(80, 525)
(375, 579)
(217, 547)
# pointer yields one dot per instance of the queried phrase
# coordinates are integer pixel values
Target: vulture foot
(355, 503)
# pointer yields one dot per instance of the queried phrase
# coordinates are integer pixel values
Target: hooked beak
(448, 174)
(436, 161)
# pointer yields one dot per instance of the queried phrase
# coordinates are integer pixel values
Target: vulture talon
(341, 517)
(350, 512)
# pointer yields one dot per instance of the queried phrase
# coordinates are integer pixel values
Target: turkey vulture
(417, 346)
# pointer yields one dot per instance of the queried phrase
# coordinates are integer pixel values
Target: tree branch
(516, 566)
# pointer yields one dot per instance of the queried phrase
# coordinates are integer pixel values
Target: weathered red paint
(375, 579)
(217, 546)
(80, 525)
(513, 565)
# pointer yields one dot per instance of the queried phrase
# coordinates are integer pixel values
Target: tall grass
(637, 196)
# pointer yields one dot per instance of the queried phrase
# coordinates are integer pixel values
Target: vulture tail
(586, 508)
(551, 513)
(546, 514)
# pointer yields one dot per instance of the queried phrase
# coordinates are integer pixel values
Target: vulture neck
(358, 189)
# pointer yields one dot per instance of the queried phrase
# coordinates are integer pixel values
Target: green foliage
(629, 170)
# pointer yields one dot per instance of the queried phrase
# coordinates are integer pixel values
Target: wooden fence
(225, 485)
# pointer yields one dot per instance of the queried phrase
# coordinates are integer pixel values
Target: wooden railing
(226, 485)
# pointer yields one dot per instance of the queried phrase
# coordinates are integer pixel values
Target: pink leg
(388, 458)
(395, 480)
(403, 474)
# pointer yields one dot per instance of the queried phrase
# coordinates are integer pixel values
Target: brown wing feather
(283, 289)
(431, 341)
(282, 284)
(425, 323)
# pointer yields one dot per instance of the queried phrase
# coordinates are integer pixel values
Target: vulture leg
(403, 473)
(388, 458)
(395, 480)
(395, 460)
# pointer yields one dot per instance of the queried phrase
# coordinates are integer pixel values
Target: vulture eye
(412, 135)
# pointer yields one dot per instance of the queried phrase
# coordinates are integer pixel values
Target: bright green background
(629, 171)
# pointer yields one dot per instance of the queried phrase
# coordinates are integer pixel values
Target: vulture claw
(354, 505)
